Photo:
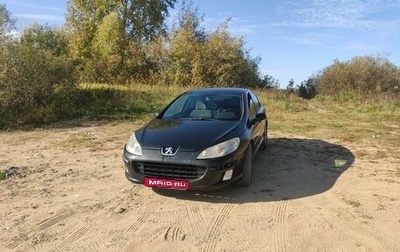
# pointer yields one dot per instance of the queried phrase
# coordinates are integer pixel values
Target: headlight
(221, 149)
(133, 146)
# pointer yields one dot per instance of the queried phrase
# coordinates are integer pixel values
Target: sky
(295, 39)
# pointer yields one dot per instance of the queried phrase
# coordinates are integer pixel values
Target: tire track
(72, 238)
(128, 234)
(105, 215)
(170, 213)
(280, 226)
(53, 221)
(243, 237)
(43, 226)
(245, 245)
(92, 246)
(154, 235)
(298, 217)
(345, 188)
(348, 224)
(196, 219)
(13, 245)
(174, 234)
(215, 228)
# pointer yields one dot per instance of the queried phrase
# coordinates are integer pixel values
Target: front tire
(247, 168)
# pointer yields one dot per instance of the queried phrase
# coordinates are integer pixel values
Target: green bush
(307, 89)
(366, 75)
(29, 83)
(3, 175)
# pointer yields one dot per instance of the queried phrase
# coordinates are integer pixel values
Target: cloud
(42, 17)
(307, 38)
(349, 14)
(315, 22)
(361, 46)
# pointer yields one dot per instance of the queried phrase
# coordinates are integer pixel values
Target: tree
(108, 50)
(36, 69)
(213, 59)
(307, 89)
(269, 82)
(7, 24)
(290, 86)
(45, 38)
(184, 45)
(144, 19)
(108, 36)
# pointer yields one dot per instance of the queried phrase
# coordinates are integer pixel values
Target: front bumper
(210, 172)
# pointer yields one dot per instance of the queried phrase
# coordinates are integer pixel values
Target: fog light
(227, 175)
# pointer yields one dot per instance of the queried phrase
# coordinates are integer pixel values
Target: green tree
(106, 35)
(307, 89)
(36, 70)
(228, 63)
(109, 37)
(186, 42)
(290, 86)
(46, 38)
(7, 24)
(108, 50)
(144, 20)
(269, 82)
(213, 59)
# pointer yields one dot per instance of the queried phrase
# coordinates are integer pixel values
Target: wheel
(265, 139)
(247, 168)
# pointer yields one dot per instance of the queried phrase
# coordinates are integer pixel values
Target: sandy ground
(66, 191)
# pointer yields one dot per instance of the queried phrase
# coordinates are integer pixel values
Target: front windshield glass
(205, 107)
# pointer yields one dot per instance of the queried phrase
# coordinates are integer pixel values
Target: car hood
(188, 135)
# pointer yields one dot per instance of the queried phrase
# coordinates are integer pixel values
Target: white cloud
(360, 46)
(349, 14)
(307, 38)
(41, 17)
(318, 21)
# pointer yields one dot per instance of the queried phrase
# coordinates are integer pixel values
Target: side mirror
(259, 117)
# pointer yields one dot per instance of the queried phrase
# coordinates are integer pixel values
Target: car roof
(220, 90)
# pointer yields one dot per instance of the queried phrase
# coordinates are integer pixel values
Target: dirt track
(67, 192)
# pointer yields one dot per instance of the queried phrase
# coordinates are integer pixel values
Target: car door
(258, 127)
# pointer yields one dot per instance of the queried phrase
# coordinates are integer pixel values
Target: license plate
(167, 183)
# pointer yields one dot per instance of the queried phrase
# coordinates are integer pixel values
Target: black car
(205, 139)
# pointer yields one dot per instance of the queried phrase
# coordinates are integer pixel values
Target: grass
(3, 175)
(346, 118)
(348, 121)
(80, 140)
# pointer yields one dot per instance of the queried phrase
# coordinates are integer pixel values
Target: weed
(3, 174)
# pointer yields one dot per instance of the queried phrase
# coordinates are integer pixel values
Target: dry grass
(376, 121)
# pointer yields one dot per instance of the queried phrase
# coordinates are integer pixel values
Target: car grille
(163, 170)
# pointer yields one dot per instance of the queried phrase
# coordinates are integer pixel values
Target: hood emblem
(169, 151)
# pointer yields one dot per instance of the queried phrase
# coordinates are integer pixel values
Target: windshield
(205, 107)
